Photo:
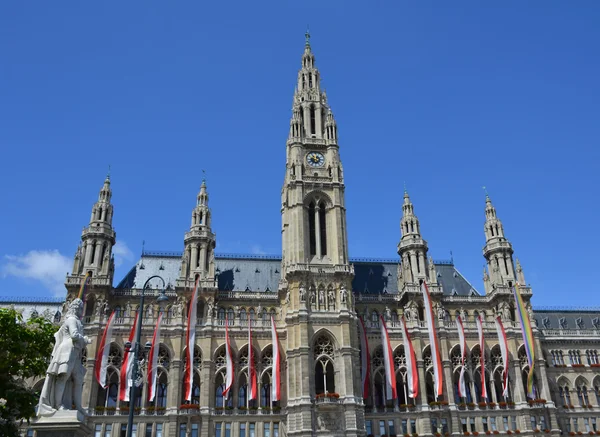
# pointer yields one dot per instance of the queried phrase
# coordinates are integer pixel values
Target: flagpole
(136, 348)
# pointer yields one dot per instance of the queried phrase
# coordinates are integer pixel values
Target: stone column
(194, 261)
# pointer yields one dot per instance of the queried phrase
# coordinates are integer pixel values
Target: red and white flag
(251, 369)
(462, 389)
(276, 379)
(481, 357)
(102, 354)
(504, 352)
(190, 343)
(388, 358)
(412, 375)
(126, 377)
(433, 343)
(365, 358)
(153, 363)
(229, 362)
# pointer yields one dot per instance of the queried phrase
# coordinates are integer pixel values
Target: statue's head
(75, 308)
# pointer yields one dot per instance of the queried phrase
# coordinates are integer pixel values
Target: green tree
(25, 349)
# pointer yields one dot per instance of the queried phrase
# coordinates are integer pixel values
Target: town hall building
(316, 294)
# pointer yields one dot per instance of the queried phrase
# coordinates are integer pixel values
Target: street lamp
(136, 348)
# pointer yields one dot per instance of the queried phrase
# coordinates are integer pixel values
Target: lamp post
(136, 348)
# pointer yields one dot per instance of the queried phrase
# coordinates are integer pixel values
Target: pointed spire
(307, 38)
(203, 194)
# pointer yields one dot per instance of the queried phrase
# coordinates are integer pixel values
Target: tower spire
(498, 250)
(199, 244)
(412, 247)
(94, 254)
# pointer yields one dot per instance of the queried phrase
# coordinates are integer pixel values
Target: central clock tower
(316, 273)
(313, 210)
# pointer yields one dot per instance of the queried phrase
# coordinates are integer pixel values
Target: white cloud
(47, 266)
(122, 253)
(257, 250)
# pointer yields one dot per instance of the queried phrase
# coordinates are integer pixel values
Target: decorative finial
(203, 175)
(143, 244)
(307, 36)
(487, 196)
(451, 257)
(405, 191)
(108, 174)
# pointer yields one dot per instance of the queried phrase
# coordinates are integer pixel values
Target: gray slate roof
(262, 272)
(564, 318)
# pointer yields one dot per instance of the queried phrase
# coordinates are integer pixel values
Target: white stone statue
(287, 296)
(331, 297)
(105, 308)
(302, 293)
(321, 296)
(440, 311)
(64, 377)
(343, 294)
(99, 307)
(150, 311)
(388, 313)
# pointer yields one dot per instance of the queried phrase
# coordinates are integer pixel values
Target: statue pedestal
(65, 423)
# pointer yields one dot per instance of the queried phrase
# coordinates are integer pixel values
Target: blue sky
(445, 96)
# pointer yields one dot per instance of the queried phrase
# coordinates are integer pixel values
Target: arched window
(89, 306)
(323, 228)
(379, 386)
(221, 367)
(266, 377)
(428, 365)
(597, 390)
(195, 391)
(265, 391)
(243, 317)
(230, 317)
(219, 388)
(324, 369)
(312, 229)
(242, 390)
(563, 392)
(498, 384)
(313, 120)
(401, 377)
(109, 396)
(582, 392)
(161, 389)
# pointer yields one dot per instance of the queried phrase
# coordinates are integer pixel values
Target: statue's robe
(65, 365)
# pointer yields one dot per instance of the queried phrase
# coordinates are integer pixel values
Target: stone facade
(316, 293)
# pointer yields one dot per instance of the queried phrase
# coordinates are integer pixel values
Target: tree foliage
(25, 349)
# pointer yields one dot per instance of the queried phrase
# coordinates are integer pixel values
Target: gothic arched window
(324, 369)
(313, 120)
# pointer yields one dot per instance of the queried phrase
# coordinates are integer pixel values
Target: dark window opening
(322, 225)
(313, 120)
(311, 228)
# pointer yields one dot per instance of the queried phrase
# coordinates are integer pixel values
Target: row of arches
(581, 388)
(109, 397)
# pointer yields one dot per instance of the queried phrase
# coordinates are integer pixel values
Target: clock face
(315, 159)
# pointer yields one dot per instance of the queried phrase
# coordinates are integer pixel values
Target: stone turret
(94, 254)
(412, 248)
(199, 252)
(497, 250)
